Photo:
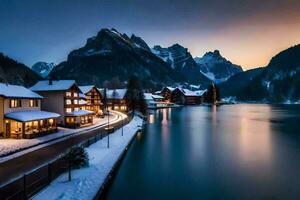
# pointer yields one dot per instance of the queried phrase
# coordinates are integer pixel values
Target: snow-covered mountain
(113, 54)
(176, 55)
(43, 68)
(180, 59)
(215, 67)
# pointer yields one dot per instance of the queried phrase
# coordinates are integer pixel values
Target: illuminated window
(76, 109)
(68, 102)
(51, 121)
(14, 103)
(33, 103)
(68, 110)
(75, 94)
(70, 120)
(68, 94)
(75, 101)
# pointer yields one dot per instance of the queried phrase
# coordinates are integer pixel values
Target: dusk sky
(247, 32)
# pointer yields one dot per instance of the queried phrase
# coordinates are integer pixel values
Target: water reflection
(255, 137)
(166, 115)
(226, 152)
(151, 119)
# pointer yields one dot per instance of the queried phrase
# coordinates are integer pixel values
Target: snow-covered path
(87, 181)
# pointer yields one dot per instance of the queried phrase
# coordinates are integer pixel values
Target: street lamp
(122, 124)
(107, 128)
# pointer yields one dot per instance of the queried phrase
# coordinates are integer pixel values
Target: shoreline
(91, 181)
(109, 178)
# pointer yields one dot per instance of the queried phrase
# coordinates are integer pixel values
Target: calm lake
(228, 152)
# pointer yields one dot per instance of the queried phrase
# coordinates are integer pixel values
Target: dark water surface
(227, 152)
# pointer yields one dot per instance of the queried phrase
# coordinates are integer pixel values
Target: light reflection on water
(226, 152)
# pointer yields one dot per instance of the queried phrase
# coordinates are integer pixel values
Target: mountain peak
(217, 53)
(214, 54)
(43, 68)
(216, 67)
(113, 54)
(139, 42)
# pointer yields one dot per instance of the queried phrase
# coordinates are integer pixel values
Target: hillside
(13, 72)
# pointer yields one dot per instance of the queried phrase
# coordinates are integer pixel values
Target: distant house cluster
(32, 112)
(169, 96)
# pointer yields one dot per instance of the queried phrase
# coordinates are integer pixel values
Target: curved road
(20, 165)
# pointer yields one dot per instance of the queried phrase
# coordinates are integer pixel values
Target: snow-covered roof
(86, 89)
(116, 94)
(79, 113)
(82, 102)
(101, 90)
(16, 91)
(82, 96)
(170, 88)
(154, 96)
(57, 85)
(200, 92)
(187, 92)
(157, 92)
(30, 115)
(148, 96)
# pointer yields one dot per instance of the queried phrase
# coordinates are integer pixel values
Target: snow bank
(87, 181)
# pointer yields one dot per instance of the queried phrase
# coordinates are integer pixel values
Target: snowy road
(27, 160)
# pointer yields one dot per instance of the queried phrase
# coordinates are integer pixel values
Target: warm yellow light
(50, 121)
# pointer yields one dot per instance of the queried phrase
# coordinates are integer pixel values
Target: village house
(21, 115)
(116, 100)
(185, 97)
(63, 97)
(154, 101)
(149, 100)
(92, 97)
(166, 92)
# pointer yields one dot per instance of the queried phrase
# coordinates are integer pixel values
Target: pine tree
(78, 157)
(213, 94)
(135, 96)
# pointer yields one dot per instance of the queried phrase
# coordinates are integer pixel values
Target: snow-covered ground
(87, 181)
(8, 146)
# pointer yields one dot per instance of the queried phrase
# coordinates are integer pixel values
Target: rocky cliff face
(180, 59)
(112, 54)
(217, 68)
(16, 73)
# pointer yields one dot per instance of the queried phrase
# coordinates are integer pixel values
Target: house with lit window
(63, 97)
(166, 92)
(116, 100)
(82, 101)
(93, 99)
(21, 115)
(183, 96)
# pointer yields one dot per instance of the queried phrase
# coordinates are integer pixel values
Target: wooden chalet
(63, 97)
(93, 98)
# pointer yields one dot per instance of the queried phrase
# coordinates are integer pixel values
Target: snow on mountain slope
(43, 68)
(180, 59)
(215, 67)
